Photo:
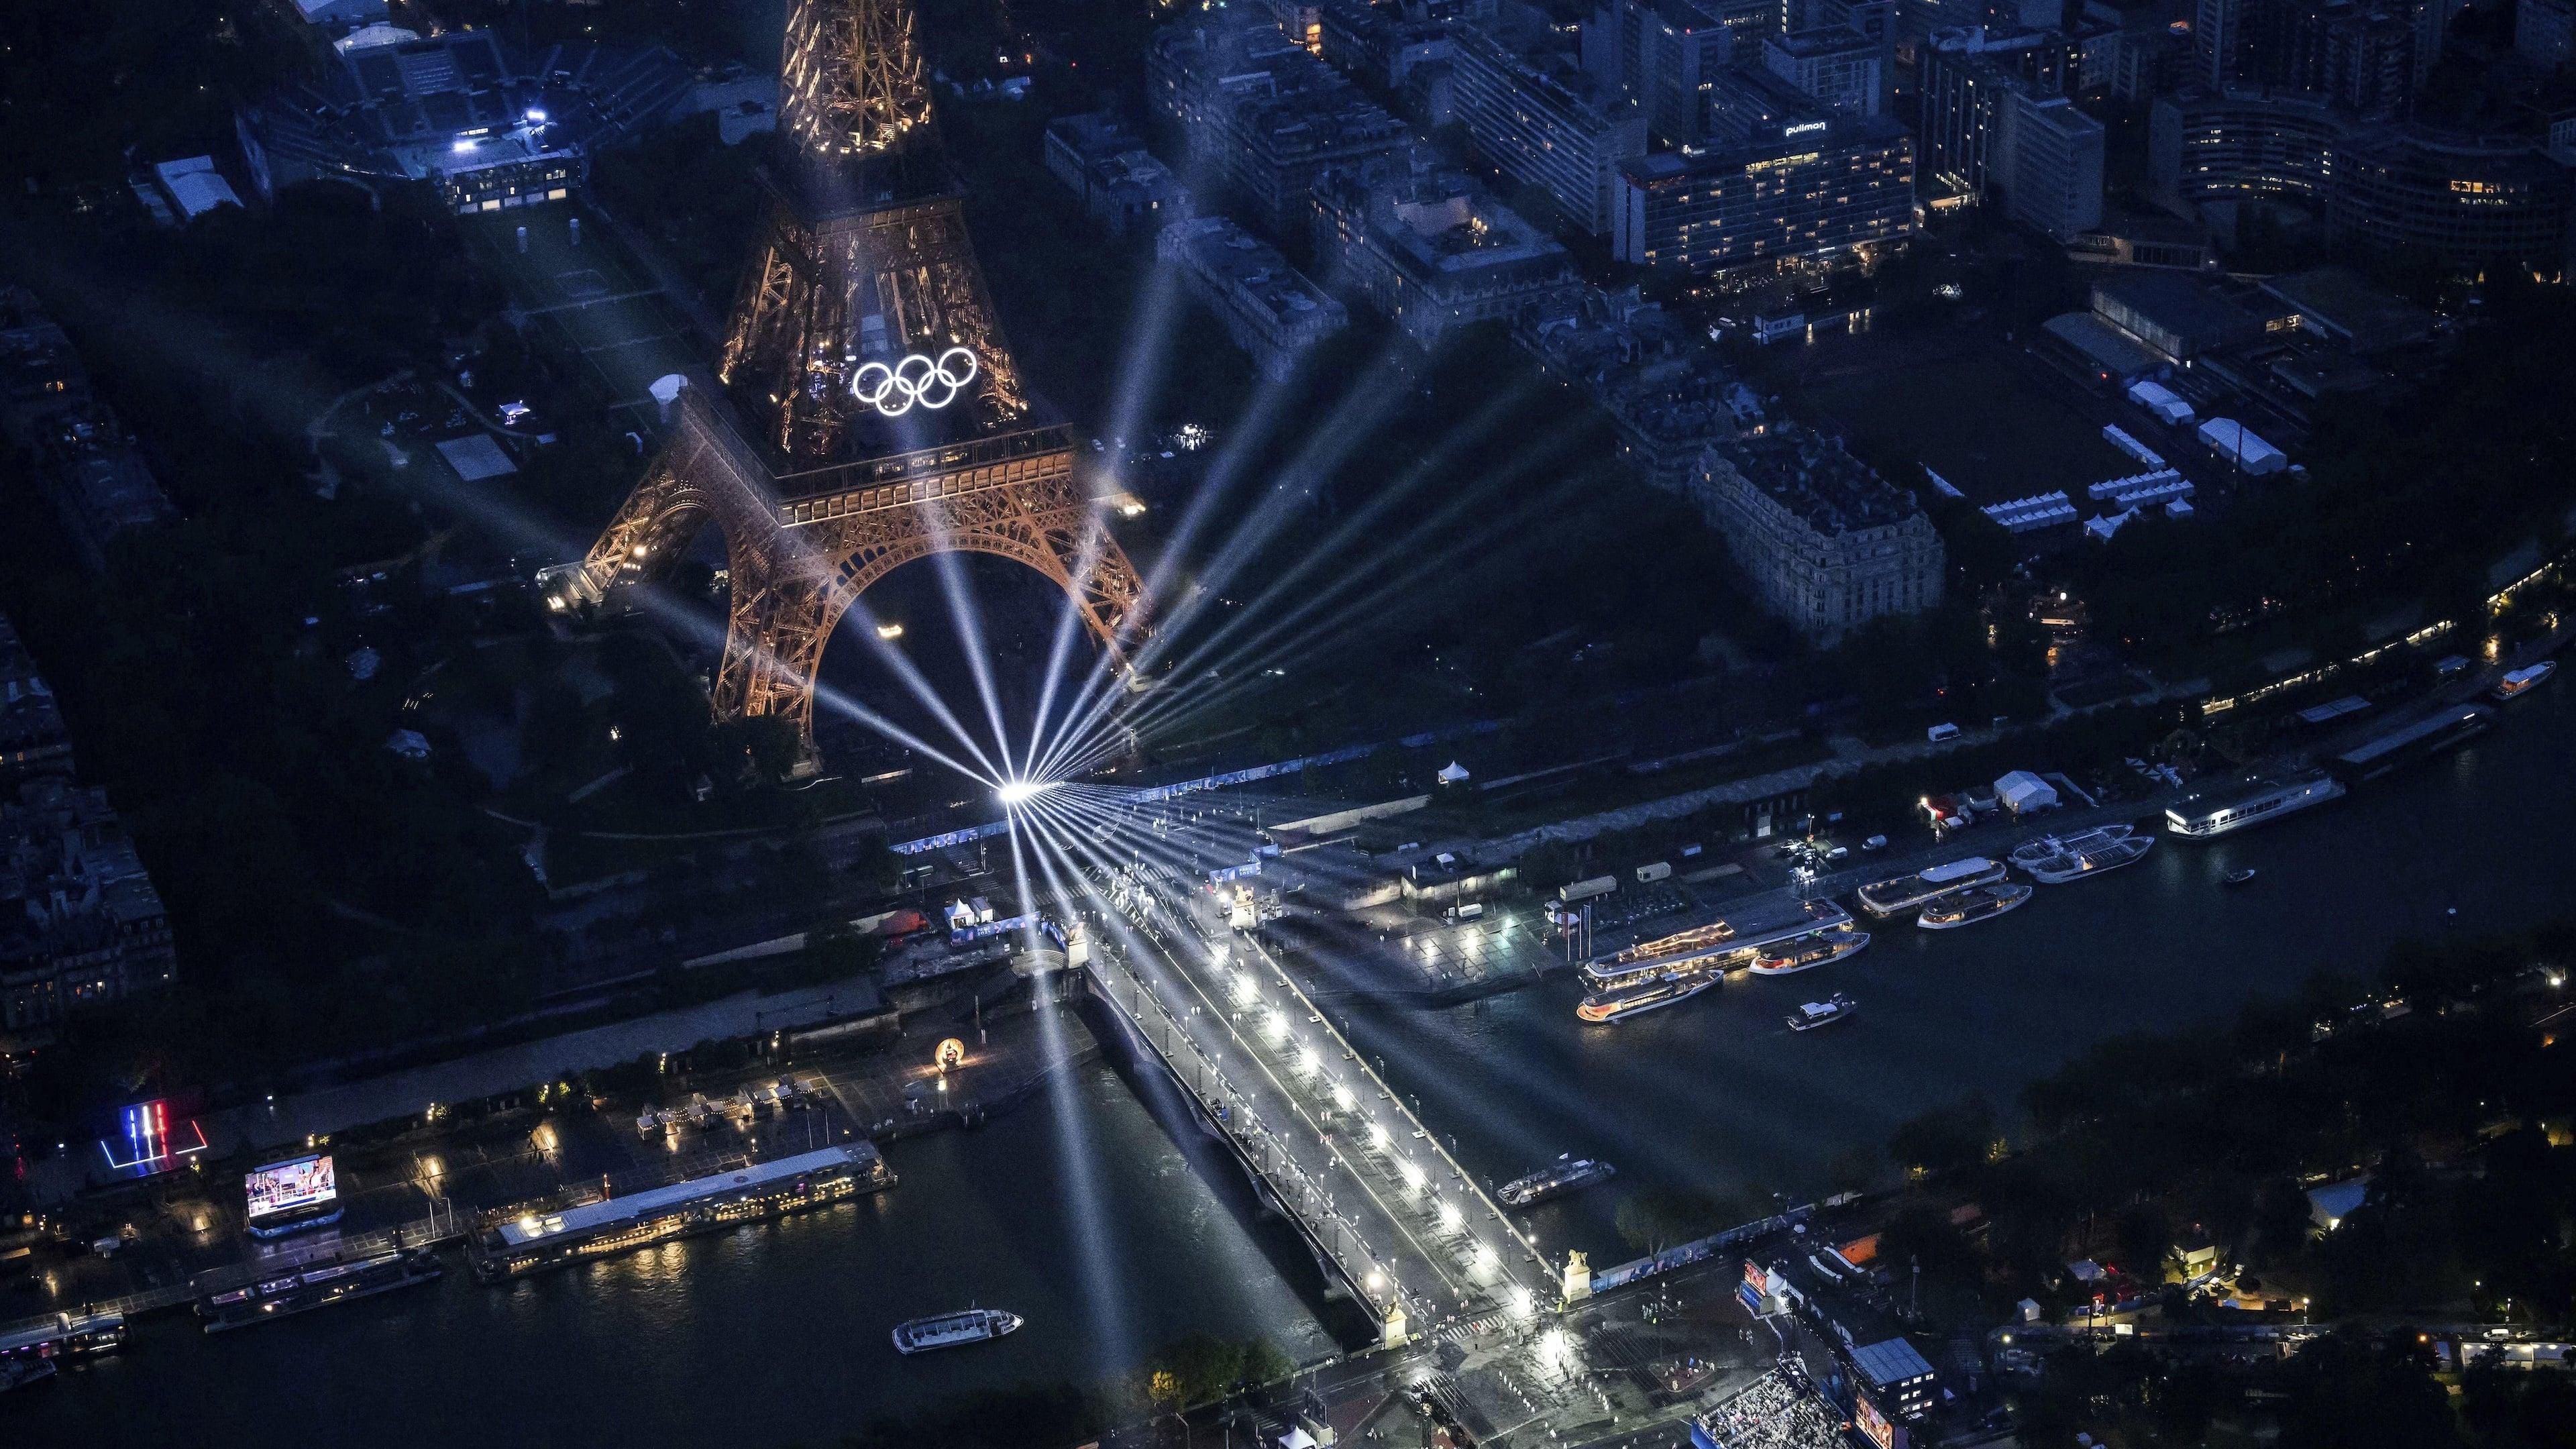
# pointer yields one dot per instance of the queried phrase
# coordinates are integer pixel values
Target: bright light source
(1412, 1174)
(1342, 1098)
(1020, 792)
(1450, 1217)
(536, 115)
(893, 631)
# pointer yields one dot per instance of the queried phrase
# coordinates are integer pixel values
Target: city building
(1538, 122)
(96, 476)
(2174, 316)
(2050, 164)
(1996, 118)
(1261, 112)
(1826, 543)
(2337, 305)
(1667, 395)
(1838, 68)
(1267, 306)
(2284, 43)
(2459, 201)
(491, 126)
(1846, 187)
(2238, 144)
(80, 923)
(1967, 75)
(1661, 56)
(1424, 245)
(83, 458)
(2544, 32)
(32, 738)
(40, 370)
(1383, 43)
(1121, 184)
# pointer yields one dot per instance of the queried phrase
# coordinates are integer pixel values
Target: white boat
(1628, 1001)
(1887, 897)
(2216, 811)
(1567, 1174)
(2054, 861)
(1820, 949)
(2524, 680)
(954, 1330)
(1967, 907)
(1814, 1014)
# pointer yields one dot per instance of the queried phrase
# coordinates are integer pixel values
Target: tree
(1946, 1139)
(2351, 1390)
(1655, 1218)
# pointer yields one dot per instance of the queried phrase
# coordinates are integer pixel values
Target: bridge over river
(1385, 1208)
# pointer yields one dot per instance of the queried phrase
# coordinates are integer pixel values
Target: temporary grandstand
(1771, 1413)
(491, 126)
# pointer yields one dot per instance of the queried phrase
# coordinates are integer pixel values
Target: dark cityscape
(1106, 724)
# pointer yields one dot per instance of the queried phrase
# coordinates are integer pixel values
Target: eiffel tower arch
(865, 410)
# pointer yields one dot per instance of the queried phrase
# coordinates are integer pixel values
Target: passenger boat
(753, 1192)
(2054, 861)
(2524, 680)
(1967, 907)
(1722, 945)
(2407, 744)
(1822, 1013)
(954, 1330)
(293, 1293)
(2215, 811)
(1890, 897)
(18, 1373)
(1817, 949)
(1567, 1174)
(1627, 1001)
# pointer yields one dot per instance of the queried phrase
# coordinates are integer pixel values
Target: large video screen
(285, 1187)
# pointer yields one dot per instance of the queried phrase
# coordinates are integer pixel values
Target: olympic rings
(931, 382)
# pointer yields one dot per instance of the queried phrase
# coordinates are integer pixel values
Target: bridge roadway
(1374, 1193)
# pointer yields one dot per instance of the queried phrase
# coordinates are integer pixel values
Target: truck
(1584, 890)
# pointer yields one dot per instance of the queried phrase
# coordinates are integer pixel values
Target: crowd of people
(1773, 1412)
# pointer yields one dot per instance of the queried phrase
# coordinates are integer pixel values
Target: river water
(1080, 1212)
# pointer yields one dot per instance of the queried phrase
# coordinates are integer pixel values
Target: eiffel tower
(867, 411)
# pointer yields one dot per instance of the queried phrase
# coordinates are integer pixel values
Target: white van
(1941, 732)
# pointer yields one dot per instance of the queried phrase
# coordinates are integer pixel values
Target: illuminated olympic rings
(932, 383)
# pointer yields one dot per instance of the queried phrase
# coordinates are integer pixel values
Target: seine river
(1081, 1213)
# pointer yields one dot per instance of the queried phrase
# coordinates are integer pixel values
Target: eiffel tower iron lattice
(868, 412)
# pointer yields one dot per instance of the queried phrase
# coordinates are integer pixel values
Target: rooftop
(1814, 476)
(1250, 268)
(2341, 304)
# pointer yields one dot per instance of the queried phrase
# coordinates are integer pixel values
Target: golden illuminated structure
(869, 412)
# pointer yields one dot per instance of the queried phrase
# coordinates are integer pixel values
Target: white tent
(2023, 792)
(1452, 773)
(2236, 443)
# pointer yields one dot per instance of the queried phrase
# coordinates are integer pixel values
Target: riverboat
(1819, 948)
(1967, 907)
(535, 1241)
(1623, 1002)
(2051, 860)
(1814, 1014)
(292, 1293)
(1893, 897)
(2208, 813)
(954, 1330)
(2408, 744)
(1567, 1174)
(1722, 945)
(2523, 681)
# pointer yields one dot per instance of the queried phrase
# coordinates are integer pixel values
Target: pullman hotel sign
(895, 388)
